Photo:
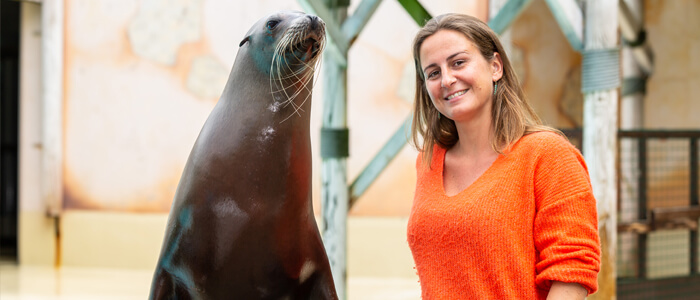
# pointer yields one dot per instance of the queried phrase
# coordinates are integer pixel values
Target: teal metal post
(342, 31)
(334, 152)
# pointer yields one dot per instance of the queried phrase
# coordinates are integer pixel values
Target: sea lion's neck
(251, 87)
(250, 113)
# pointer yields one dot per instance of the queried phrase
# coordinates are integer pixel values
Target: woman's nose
(447, 79)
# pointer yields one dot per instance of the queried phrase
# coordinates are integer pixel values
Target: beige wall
(140, 79)
(673, 32)
(549, 69)
(140, 84)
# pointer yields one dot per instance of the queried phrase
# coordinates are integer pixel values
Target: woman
(503, 207)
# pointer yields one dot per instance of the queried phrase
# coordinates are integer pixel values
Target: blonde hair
(512, 116)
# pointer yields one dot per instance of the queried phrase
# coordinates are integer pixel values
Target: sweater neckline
(441, 167)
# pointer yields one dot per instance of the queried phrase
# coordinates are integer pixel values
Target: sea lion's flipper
(319, 286)
(166, 287)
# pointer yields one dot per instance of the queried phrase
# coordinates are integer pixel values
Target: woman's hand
(566, 290)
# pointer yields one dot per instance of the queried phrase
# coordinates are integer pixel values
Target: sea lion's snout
(315, 29)
(310, 33)
(315, 22)
(317, 33)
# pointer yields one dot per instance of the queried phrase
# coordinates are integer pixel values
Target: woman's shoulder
(436, 159)
(544, 141)
(552, 152)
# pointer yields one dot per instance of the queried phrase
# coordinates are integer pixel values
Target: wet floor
(76, 283)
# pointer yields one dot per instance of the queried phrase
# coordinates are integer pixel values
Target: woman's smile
(456, 95)
(458, 78)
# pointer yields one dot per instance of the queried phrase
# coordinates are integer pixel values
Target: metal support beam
(570, 18)
(633, 173)
(337, 46)
(380, 161)
(334, 189)
(354, 24)
(317, 7)
(416, 10)
(642, 206)
(632, 29)
(342, 32)
(694, 203)
(507, 14)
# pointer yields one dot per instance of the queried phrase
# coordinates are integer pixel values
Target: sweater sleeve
(566, 221)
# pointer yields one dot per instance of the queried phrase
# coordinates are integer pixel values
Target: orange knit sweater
(529, 219)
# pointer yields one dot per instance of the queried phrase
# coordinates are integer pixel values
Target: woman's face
(458, 78)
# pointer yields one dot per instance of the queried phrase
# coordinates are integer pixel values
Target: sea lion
(241, 224)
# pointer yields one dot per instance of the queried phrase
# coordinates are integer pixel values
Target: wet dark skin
(242, 224)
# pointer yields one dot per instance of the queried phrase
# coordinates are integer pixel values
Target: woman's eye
(458, 63)
(272, 24)
(433, 74)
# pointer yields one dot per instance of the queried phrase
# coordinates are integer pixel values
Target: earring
(495, 87)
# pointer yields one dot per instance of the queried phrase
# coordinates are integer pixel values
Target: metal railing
(658, 213)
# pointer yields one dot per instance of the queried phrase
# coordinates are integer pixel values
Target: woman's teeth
(457, 94)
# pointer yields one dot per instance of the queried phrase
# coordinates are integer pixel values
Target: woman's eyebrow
(448, 58)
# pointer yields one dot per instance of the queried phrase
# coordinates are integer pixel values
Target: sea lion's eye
(272, 24)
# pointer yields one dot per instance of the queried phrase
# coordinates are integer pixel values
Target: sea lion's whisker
(277, 56)
(284, 75)
(298, 108)
(294, 74)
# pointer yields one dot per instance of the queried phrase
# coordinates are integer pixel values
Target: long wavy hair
(512, 116)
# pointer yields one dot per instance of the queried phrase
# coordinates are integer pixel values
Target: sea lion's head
(286, 41)
(287, 46)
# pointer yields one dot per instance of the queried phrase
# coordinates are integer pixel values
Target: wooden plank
(570, 19)
(667, 288)
(507, 14)
(599, 126)
(354, 24)
(665, 214)
(52, 105)
(685, 217)
(664, 218)
(659, 134)
(635, 227)
(380, 161)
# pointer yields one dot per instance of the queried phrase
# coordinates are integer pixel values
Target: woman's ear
(497, 66)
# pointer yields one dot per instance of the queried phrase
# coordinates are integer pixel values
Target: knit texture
(529, 219)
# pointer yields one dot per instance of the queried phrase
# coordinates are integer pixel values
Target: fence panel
(657, 253)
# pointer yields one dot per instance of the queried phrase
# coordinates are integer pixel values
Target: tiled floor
(47, 283)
